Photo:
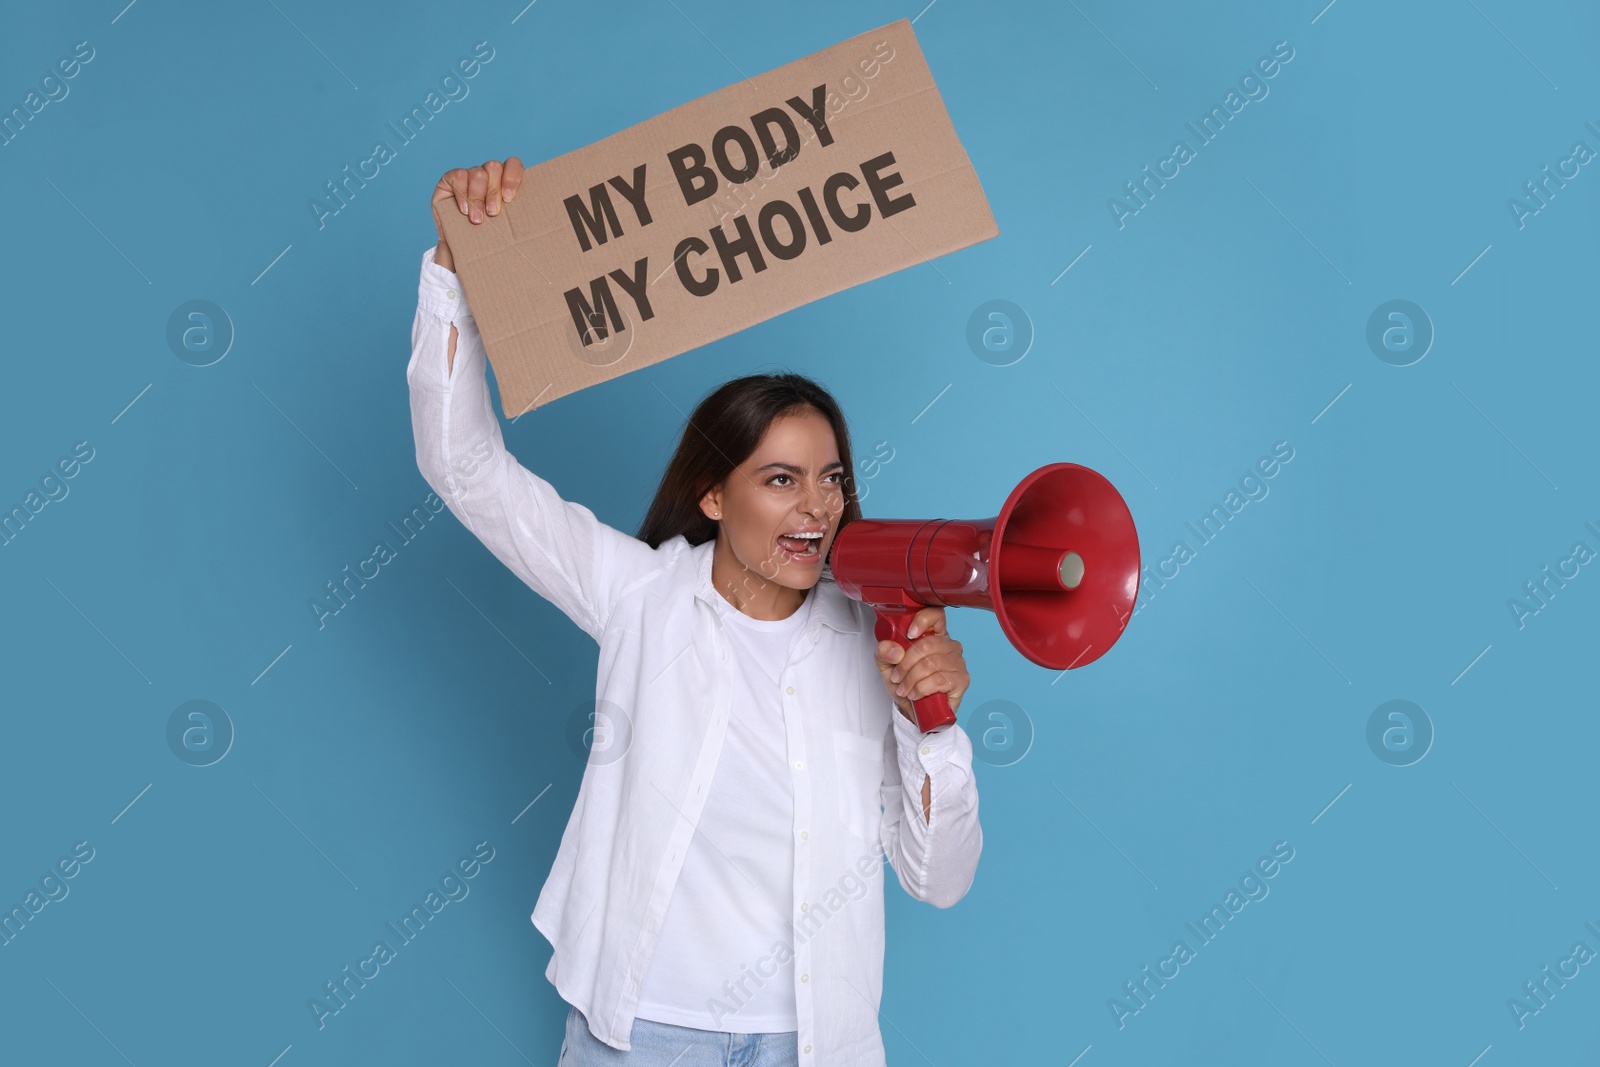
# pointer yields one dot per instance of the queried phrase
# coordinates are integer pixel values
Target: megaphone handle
(933, 711)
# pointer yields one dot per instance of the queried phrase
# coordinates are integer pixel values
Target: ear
(711, 504)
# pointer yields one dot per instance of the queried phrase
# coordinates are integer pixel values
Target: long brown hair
(722, 433)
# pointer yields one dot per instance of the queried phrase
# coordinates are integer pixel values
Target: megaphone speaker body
(1059, 567)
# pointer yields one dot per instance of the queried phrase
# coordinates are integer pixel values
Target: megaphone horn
(1059, 567)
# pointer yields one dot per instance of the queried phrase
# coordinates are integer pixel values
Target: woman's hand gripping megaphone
(921, 662)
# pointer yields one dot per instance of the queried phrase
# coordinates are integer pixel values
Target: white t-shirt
(731, 905)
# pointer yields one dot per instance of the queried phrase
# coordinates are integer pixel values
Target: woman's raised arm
(556, 546)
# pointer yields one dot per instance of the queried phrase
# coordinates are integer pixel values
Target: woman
(713, 899)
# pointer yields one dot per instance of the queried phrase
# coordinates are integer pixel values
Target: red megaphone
(1059, 566)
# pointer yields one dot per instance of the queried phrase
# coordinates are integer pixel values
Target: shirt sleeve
(557, 547)
(935, 860)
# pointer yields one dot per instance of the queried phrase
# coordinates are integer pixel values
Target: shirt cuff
(439, 291)
(917, 750)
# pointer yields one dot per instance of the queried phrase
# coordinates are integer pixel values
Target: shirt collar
(828, 605)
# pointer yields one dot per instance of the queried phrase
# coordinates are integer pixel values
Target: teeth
(813, 542)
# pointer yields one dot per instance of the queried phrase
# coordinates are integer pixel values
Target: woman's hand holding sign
(477, 191)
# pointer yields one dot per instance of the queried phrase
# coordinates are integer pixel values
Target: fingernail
(912, 632)
(477, 214)
(901, 691)
(463, 205)
(894, 676)
(494, 209)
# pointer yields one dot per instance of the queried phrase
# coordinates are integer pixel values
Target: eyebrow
(792, 469)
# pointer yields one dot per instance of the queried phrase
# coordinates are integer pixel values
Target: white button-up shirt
(856, 763)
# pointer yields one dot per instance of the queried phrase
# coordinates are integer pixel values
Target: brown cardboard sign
(827, 172)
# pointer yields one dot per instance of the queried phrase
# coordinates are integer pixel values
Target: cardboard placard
(827, 172)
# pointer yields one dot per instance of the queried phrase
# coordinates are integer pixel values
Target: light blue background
(1224, 317)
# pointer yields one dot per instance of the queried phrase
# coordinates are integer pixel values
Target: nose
(815, 504)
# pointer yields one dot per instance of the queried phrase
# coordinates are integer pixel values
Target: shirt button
(926, 750)
(450, 293)
(808, 1048)
(790, 690)
(804, 834)
(800, 764)
(805, 978)
(805, 907)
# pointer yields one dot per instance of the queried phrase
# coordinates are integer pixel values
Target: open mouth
(801, 548)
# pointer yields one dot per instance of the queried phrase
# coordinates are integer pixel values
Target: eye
(838, 476)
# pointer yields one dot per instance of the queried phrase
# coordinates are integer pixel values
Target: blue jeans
(665, 1045)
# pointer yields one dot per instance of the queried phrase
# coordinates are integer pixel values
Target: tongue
(797, 545)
